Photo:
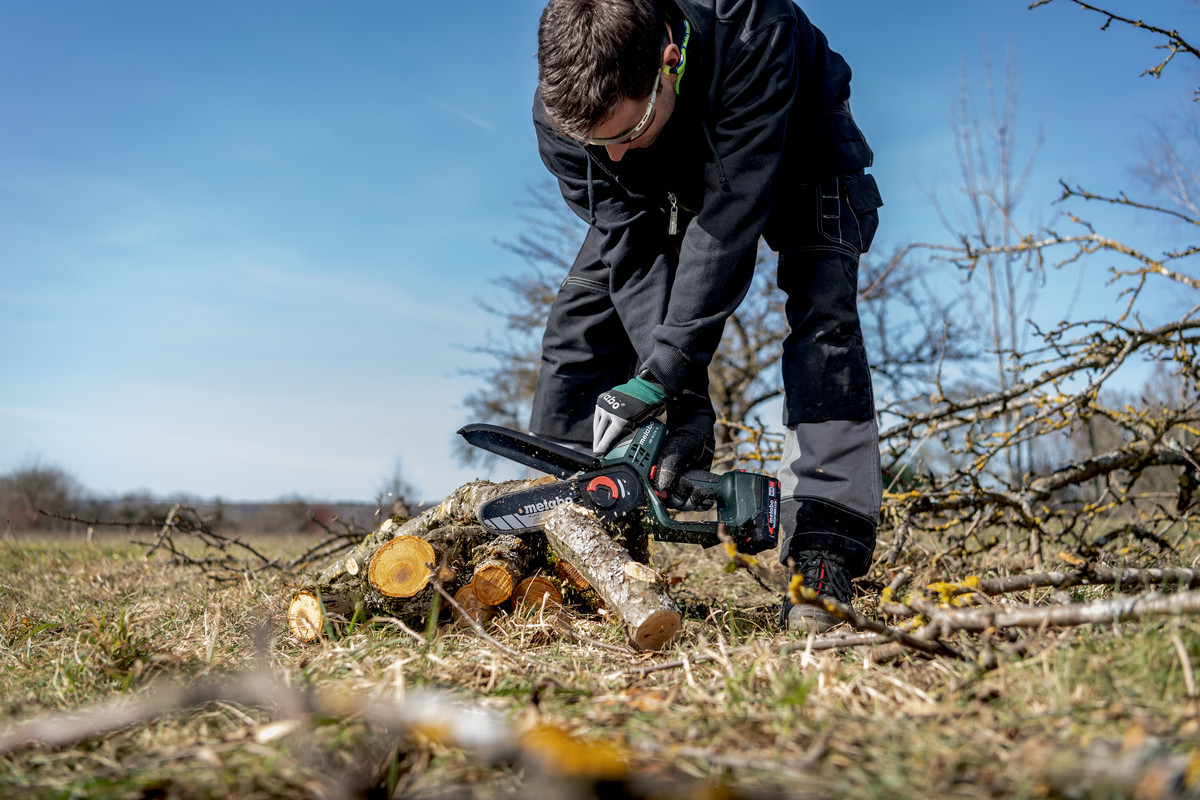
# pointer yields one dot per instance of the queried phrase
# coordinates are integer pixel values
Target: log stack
(396, 571)
(392, 572)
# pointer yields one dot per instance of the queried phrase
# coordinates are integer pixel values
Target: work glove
(622, 408)
(686, 449)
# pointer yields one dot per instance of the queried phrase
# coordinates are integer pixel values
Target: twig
(1176, 43)
(845, 613)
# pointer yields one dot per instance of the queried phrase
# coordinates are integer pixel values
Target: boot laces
(824, 574)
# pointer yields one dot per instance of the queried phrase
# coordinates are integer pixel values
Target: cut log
(537, 592)
(402, 567)
(305, 617)
(472, 609)
(499, 565)
(311, 611)
(630, 589)
(398, 579)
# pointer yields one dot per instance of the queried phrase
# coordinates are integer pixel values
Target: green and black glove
(624, 407)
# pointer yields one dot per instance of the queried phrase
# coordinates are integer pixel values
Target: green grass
(83, 623)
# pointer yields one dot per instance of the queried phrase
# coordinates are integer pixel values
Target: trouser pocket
(847, 215)
(863, 201)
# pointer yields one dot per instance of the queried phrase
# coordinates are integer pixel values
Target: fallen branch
(1087, 576)
(1124, 609)
(469, 727)
(183, 519)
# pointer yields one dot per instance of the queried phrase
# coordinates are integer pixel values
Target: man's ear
(672, 58)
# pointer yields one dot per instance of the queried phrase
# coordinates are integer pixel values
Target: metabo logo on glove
(611, 400)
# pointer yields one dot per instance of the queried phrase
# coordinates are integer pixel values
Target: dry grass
(84, 622)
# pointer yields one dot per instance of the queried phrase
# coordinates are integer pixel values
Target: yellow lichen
(951, 593)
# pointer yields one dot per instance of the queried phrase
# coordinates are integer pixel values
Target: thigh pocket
(847, 213)
(863, 201)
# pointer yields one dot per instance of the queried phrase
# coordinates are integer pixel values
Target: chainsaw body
(618, 487)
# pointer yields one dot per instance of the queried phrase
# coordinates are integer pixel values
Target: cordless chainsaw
(618, 487)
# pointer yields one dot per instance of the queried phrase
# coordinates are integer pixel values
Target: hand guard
(685, 449)
(622, 408)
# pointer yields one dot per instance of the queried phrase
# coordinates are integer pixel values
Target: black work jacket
(762, 109)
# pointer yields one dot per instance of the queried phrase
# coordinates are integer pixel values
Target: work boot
(826, 574)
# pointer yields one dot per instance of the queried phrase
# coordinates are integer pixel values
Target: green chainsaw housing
(747, 502)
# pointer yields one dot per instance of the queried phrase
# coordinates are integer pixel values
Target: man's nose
(616, 151)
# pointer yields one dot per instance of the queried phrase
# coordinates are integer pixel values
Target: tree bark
(456, 546)
(630, 589)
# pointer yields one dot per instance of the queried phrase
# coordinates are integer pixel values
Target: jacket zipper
(673, 225)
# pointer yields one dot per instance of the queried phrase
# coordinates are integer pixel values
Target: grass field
(1088, 711)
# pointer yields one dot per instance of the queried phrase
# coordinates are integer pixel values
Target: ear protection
(677, 70)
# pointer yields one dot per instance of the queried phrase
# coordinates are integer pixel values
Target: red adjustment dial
(603, 491)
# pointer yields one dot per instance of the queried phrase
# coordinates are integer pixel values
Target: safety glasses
(634, 132)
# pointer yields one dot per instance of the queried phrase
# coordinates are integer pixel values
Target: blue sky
(241, 243)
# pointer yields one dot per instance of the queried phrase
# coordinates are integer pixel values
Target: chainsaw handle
(697, 490)
(702, 478)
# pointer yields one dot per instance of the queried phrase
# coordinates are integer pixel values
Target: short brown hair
(594, 53)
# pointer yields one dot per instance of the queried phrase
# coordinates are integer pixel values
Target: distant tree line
(47, 498)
